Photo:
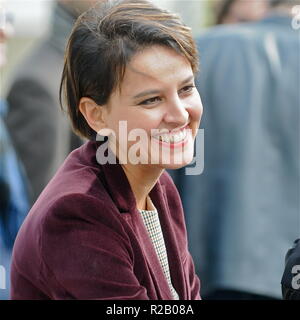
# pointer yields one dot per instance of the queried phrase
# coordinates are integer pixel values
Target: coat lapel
(151, 257)
(158, 196)
(120, 191)
(117, 185)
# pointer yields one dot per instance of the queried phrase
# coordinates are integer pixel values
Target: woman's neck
(142, 179)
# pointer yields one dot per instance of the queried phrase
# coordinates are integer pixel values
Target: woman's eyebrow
(146, 93)
(188, 79)
(150, 92)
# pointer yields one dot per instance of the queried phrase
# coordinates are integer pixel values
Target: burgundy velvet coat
(85, 239)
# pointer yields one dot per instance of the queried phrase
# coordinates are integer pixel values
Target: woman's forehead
(156, 65)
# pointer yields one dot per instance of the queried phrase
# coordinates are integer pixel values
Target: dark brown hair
(103, 41)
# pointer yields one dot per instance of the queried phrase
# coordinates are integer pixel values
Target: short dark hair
(103, 41)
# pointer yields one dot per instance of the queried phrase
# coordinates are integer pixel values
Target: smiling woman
(115, 229)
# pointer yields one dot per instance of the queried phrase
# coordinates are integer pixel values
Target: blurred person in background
(42, 137)
(13, 191)
(243, 211)
(238, 11)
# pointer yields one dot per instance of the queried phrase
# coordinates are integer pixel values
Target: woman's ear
(93, 113)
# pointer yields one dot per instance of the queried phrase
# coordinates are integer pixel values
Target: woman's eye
(150, 101)
(186, 89)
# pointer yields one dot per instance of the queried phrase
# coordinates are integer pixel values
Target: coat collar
(117, 185)
(112, 176)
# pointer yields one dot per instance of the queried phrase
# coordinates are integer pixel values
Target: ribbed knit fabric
(152, 224)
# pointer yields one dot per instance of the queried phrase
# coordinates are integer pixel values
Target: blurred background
(243, 211)
(32, 21)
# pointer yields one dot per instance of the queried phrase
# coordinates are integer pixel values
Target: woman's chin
(177, 163)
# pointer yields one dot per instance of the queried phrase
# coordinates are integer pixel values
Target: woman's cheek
(196, 111)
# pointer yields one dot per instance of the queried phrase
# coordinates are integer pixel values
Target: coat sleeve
(87, 260)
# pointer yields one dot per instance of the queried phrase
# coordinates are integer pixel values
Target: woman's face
(161, 108)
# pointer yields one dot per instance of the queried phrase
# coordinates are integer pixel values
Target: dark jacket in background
(85, 239)
(291, 277)
(40, 132)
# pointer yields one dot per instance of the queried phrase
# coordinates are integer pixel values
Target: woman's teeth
(172, 137)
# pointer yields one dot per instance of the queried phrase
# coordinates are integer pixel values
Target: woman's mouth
(174, 138)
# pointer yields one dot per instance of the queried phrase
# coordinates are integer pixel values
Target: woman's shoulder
(78, 179)
(75, 192)
(75, 214)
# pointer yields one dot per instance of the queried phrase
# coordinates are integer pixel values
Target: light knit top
(152, 224)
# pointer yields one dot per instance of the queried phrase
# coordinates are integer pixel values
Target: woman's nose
(176, 113)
